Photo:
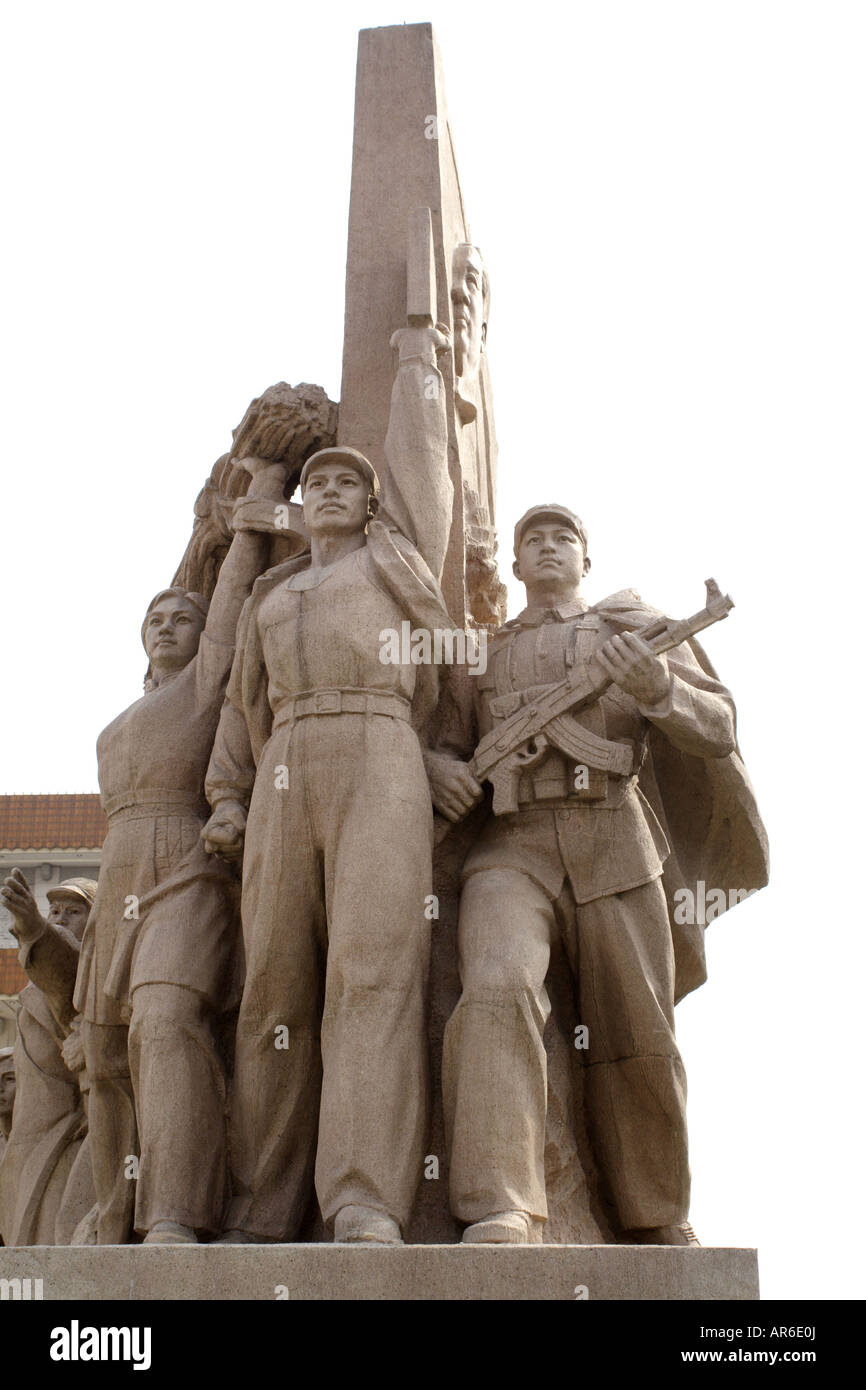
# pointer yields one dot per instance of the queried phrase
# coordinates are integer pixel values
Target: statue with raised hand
(318, 763)
(46, 1185)
(160, 964)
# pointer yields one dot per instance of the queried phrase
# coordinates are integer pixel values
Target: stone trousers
(113, 1129)
(180, 1097)
(331, 1036)
(494, 1065)
(157, 1095)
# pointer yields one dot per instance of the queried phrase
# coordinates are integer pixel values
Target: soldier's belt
(342, 702)
(145, 803)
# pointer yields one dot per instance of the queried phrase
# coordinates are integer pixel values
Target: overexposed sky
(670, 201)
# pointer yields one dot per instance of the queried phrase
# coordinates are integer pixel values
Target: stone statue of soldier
(581, 859)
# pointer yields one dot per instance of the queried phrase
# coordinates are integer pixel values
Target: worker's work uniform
(152, 761)
(337, 869)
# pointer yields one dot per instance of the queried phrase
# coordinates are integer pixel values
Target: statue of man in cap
(580, 864)
(46, 1185)
(317, 760)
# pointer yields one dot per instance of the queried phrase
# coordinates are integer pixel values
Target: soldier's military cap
(550, 510)
(82, 888)
(351, 457)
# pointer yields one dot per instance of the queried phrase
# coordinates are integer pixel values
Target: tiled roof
(52, 822)
(12, 977)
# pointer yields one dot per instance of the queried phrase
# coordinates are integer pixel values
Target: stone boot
(170, 1233)
(504, 1228)
(365, 1225)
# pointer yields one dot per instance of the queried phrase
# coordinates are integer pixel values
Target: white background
(670, 200)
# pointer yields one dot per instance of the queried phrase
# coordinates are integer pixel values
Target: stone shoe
(170, 1233)
(365, 1225)
(662, 1235)
(504, 1228)
(237, 1237)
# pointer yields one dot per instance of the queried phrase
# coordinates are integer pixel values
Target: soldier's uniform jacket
(685, 807)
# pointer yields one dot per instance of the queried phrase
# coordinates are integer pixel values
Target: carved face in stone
(171, 633)
(550, 556)
(336, 499)
(70, 912)
(7, 1092)
(469, 311)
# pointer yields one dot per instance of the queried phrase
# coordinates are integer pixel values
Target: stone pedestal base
(425, 1272)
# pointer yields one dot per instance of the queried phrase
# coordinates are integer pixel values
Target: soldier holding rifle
(575, 848)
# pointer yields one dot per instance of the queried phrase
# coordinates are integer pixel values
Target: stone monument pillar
(403, 160)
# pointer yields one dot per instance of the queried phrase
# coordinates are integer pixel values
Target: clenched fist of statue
(452, 786)
(72, 1049)
(27, 921)
(224, 833)
(635, 668)
(268, 478)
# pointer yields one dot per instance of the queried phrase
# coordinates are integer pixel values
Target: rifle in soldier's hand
(522, 740)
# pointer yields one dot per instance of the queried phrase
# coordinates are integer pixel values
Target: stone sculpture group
(365, 919)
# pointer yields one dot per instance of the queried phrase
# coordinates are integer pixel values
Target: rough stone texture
(408, 1272)
(284, 425)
